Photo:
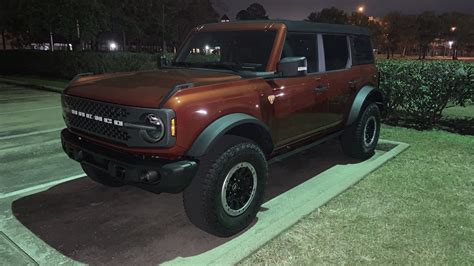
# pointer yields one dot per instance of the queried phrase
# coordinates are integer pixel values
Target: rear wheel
(226, 193)
(361, 138)
(101, 177)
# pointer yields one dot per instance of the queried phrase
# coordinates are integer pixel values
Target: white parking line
(26, 97)
(31, 133)
(31, 110)
(41, 186)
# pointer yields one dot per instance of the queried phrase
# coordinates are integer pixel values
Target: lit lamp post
(361, 9)
(452, 44)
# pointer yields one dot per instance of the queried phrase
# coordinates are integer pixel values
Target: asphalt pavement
(30, 148)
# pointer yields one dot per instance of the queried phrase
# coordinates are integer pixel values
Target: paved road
(30, 149)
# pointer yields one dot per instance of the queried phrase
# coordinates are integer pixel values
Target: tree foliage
(134, 24)
(254, 12)
(329, 15)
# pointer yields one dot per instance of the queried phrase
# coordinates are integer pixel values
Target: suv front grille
(104, 110)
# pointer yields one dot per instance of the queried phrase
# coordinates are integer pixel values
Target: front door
(300, 103)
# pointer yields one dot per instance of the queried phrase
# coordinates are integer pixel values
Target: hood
(142, 89)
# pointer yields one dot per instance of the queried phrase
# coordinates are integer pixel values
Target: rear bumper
(152, 174)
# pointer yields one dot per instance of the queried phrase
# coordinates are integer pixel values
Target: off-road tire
(101, 177)
(202, 198)
(354, 143)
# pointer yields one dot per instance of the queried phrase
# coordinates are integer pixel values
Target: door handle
(353, 83)
(321, 89)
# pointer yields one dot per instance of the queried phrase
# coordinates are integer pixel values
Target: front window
(229, 50)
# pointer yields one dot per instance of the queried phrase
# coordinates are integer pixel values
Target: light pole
(360, 9)
(453, 43)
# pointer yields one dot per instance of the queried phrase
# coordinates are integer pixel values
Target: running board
(305, 147)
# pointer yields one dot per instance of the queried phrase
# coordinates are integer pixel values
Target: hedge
(420, 90)
(66, 64)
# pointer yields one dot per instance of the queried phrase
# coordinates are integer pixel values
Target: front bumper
(153, 174)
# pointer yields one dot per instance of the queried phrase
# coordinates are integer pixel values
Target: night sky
(300, 9)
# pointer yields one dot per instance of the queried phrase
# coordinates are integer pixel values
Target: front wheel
(360, 139)
(226, 193)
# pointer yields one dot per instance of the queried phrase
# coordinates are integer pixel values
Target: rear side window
(362, 52)
(301, 44)
(336, 52)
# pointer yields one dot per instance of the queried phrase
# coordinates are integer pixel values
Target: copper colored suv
(235, 95)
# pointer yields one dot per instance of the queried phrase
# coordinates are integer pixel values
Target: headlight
(156, 131)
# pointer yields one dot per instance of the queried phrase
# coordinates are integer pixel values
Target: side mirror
(293, 67)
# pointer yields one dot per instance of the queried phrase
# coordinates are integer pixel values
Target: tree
(254, 12)
(392, 32)
(329, 15)
(407, 33)
(428, 28)
(359, 19)
(243, 15)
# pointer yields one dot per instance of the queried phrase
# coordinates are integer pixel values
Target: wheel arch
(238, 124)
(367, 93)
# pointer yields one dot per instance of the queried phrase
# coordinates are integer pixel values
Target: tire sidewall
(371, 111)
(237, 223)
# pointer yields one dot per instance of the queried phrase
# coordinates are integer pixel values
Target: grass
(417, 209)
(459, 111)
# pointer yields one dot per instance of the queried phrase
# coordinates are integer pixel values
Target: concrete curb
(287, 209)
(35, 86)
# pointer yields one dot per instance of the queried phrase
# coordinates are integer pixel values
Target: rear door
(341, 77)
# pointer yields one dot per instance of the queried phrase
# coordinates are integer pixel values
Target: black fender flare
(217, 129)
(365, 93)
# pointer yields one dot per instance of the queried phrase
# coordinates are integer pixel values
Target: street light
(361, 9)
(453, 29)
(112, 46)
(451, 44)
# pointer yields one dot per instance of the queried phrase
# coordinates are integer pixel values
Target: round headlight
(156, 134)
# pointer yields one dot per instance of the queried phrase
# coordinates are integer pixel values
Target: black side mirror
(293, 67)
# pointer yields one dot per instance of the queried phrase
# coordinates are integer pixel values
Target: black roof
(307, 26)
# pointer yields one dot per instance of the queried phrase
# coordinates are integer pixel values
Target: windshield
(231, 50)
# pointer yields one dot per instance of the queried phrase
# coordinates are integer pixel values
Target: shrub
(66, 64)
(420, 90)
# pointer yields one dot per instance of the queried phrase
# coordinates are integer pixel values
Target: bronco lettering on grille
(98, 118)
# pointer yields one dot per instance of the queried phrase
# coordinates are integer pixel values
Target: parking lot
(30, 149)
(82, 221)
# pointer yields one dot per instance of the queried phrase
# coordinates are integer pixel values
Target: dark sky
(300, 9)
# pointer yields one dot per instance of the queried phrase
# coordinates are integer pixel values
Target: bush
(66, 64)
(420, 90)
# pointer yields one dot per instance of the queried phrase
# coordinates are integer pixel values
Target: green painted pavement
(11, 254)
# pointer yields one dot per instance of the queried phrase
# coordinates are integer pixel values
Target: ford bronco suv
(235, 95)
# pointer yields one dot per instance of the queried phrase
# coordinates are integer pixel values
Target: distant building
(225, 18)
